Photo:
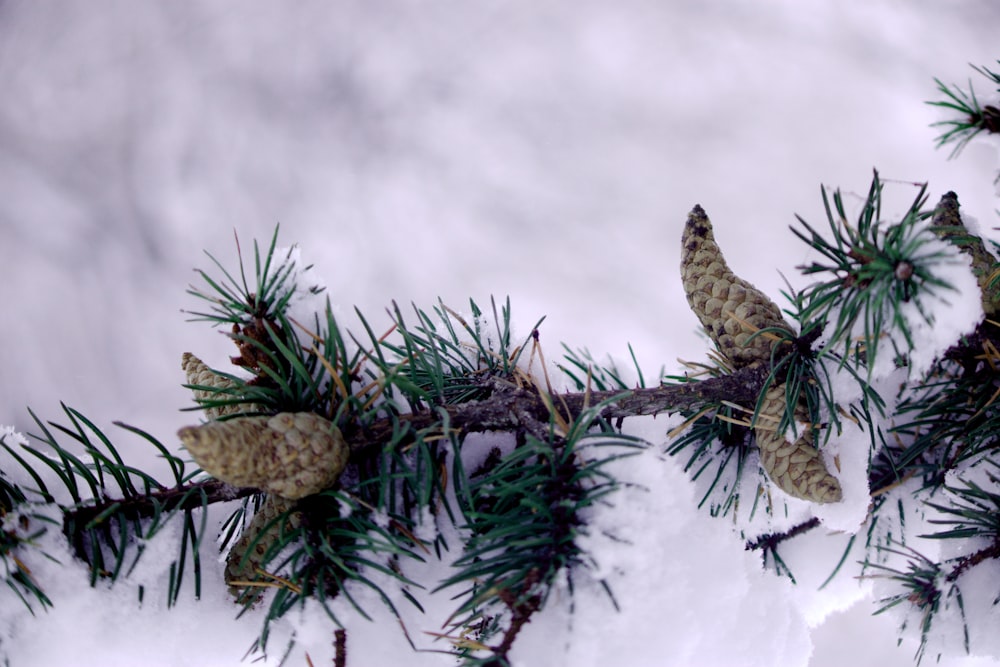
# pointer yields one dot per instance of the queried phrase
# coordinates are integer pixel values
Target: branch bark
(508, 409)
(78, 520)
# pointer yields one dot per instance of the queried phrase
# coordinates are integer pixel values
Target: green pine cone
(292, 455)
(199, 374)
(730, 308)
(794, 467)
(246, 559)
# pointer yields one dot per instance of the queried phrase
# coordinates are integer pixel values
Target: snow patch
(655, 552)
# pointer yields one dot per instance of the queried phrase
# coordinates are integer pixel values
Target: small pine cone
(947, 224)
(730, 308)
(290, 454)
(200, 374)
(246, 557)
(795, 467)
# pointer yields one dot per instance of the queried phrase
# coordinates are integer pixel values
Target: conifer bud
(794, 467)
(730, 308)
(246, 559)
(198, 373)
(292, 455)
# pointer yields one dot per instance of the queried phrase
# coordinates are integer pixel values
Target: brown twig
(78, 520)
(967, 562)
(507, 409)
(340, 648)
(771, 540)
(522, 608)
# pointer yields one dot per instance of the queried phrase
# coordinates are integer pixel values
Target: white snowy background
(548, 151)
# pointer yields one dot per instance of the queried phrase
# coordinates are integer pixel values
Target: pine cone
(947, 224)
(292, 455)
(795, 467)
(244, 562)
(200, 374)
(730, 308)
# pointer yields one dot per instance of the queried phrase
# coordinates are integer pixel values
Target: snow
(417, 150)
(310, 296)
(107, 626)
(656, 585)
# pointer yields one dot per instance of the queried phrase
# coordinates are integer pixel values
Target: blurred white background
(549, 151)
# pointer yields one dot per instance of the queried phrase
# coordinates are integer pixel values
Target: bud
(292, 455)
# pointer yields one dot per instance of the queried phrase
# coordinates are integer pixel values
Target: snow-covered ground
(546, 151)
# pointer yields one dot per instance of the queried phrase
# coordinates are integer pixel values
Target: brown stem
(340, 648)
(78, 520)
(970, 561)
(771, 540)
(506, 410)
(521, 610)
(947, 223)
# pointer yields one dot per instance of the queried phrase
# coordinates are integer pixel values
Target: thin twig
(340, 648)
(771, 540)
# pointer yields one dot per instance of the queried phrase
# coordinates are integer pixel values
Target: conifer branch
(505, 409)
(77, 520)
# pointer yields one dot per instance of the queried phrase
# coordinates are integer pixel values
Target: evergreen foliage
(509, 515)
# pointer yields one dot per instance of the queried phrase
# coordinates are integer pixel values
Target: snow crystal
(426, 529)
(11, 437)
(381, 519)
(309, 297)
(982, 614)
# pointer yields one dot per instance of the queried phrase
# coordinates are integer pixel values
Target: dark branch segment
(504, 411)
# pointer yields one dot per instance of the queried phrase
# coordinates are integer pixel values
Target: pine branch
(77, 520)
(507, 408)
(972, 118)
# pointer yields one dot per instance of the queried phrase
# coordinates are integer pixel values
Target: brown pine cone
(795, 467)
(199, 374)
(730, 308)
(292, 455)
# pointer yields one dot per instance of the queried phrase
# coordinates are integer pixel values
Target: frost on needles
(438, 457)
